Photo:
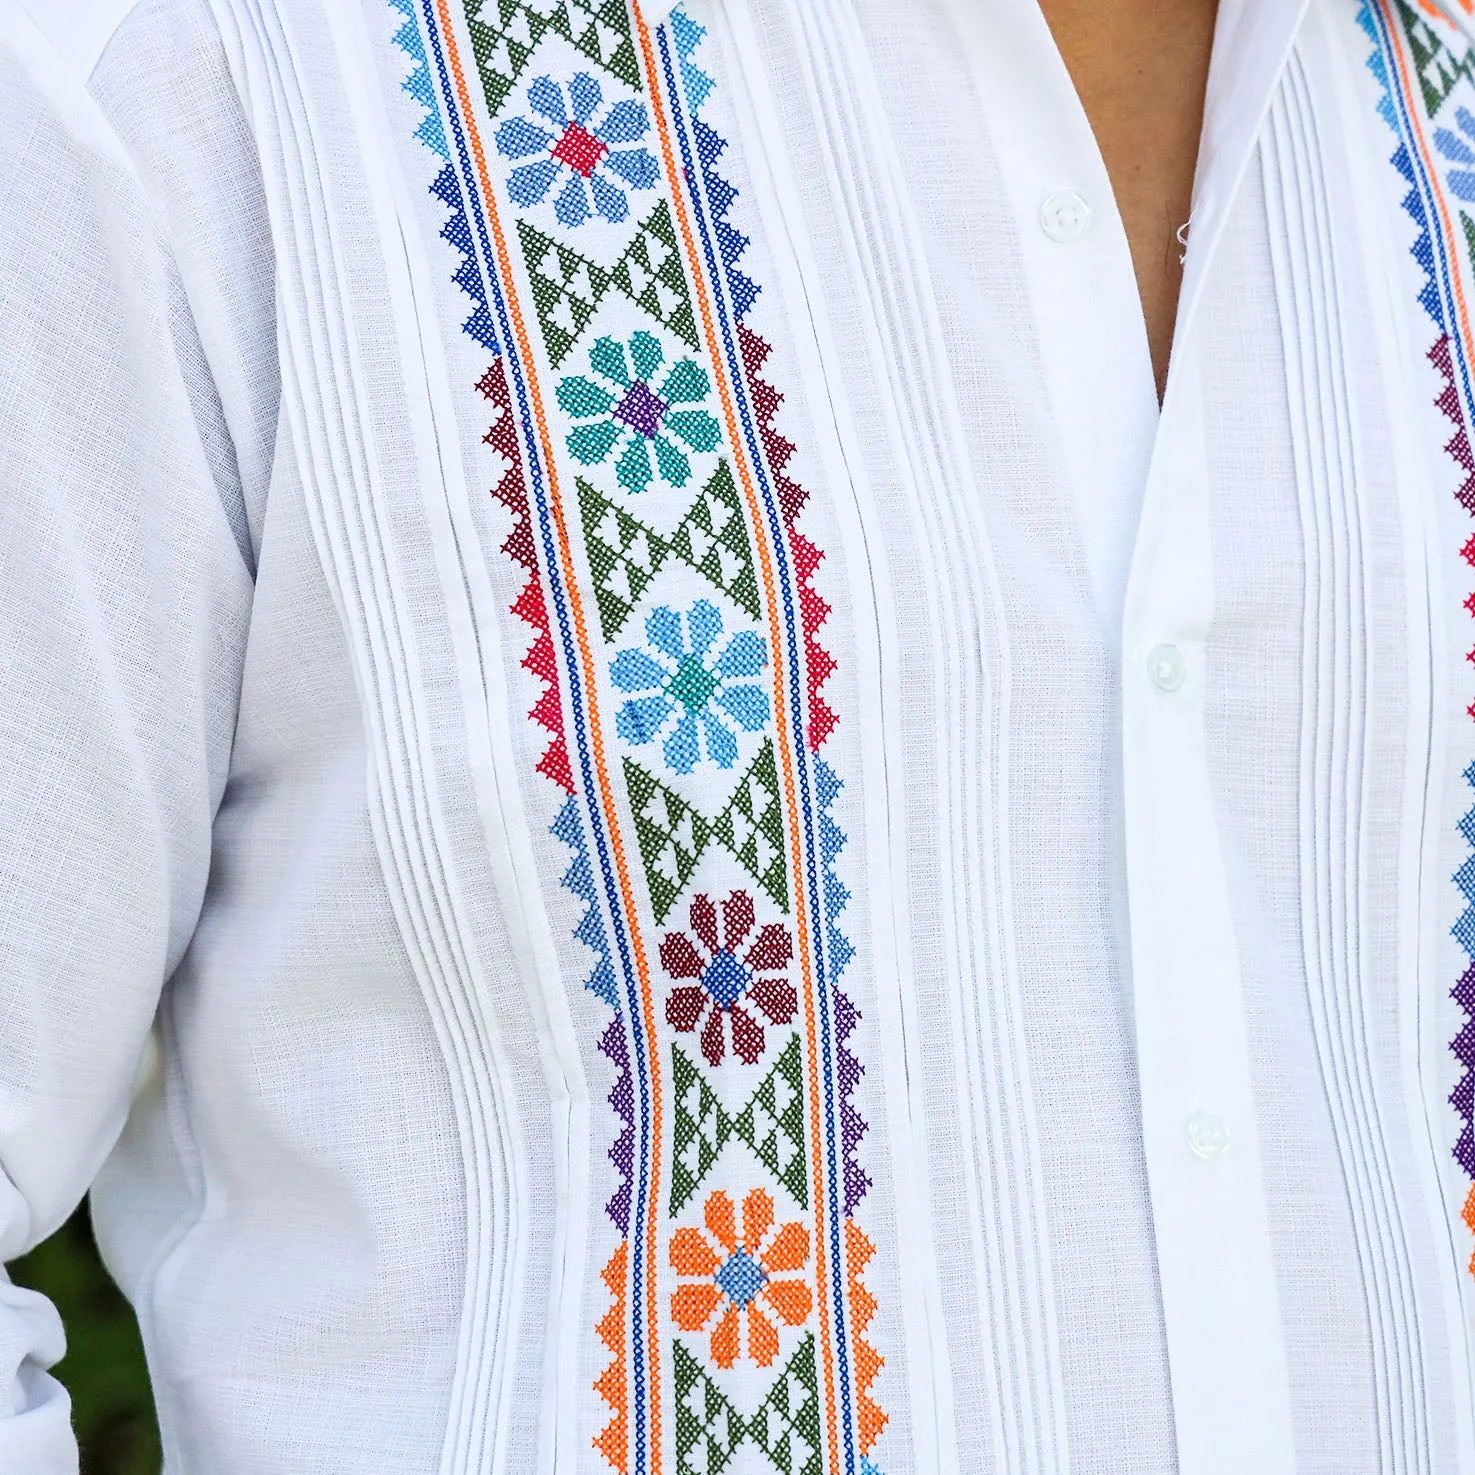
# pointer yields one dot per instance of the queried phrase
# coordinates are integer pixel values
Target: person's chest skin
(1140, 68)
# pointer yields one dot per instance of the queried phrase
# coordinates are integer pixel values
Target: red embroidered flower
(729, 977)
(736, 1273)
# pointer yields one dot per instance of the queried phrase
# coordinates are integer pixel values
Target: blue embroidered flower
(680, 680)
(577, 149)
(627, 412)
(1459, 151)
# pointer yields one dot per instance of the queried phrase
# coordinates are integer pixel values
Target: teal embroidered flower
(680, 689)
(639, 422)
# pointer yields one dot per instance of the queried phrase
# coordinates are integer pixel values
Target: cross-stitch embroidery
(1409, 47)
(675, 630)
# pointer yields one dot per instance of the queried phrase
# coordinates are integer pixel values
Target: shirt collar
(1252, 40)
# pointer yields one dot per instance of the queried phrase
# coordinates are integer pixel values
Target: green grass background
(112, 1407)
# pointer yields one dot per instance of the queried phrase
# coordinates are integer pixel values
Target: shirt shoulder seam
(78, 30)
(68, 93)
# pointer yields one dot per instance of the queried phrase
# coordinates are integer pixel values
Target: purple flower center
(641, 409)
(726, 979)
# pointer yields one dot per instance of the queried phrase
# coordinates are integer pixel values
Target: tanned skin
(1140, 68)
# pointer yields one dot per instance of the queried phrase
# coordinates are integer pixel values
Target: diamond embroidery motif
(580, 150)
(672, 836)
(1439, 73)
(505, 33)
(741, 1278)
(625, 555)
(673, 833)
(568, 286)
(701, 1128)
(771, 1124)
(641, 410)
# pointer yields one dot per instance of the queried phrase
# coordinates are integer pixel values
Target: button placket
(1207, 1135)
(1198, 1102)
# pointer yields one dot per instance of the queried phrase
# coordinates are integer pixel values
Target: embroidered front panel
(1428, 81)
(674, 628)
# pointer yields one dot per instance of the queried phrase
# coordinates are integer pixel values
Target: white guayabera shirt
(746, 861)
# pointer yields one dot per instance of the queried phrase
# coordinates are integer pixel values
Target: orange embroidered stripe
(868, 1362)
(555, 500)
(794, 827)
(613, 1384)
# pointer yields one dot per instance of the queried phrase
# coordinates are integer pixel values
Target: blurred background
(112, 1407)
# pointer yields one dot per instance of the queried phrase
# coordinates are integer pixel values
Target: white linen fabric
(1150, 727)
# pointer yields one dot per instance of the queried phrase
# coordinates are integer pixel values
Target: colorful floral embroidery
(728, 1047)
(678, 677)
(1392, 25)
(735, 972)
(731, 1268)
(578, 145)
(627, 412)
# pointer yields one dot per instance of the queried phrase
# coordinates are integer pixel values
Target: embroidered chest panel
(673, 625)
(1427, 75)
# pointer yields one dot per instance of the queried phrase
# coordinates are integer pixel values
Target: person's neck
(1140, 68)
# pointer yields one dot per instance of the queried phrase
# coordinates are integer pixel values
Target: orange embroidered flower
(731, 1278)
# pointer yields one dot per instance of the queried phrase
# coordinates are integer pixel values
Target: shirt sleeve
(125, 597)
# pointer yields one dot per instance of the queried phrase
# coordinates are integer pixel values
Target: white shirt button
(1208, 1135)
(1065, 216)
(1166, 666)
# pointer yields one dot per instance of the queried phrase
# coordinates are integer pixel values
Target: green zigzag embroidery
(713, 539)
(625, 555)
(567, 286)
(700, 1128)
(786, 1426)
(1438, 70)
(708, 1427)
(772, 1125)
(505, 33)
(674, 834)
